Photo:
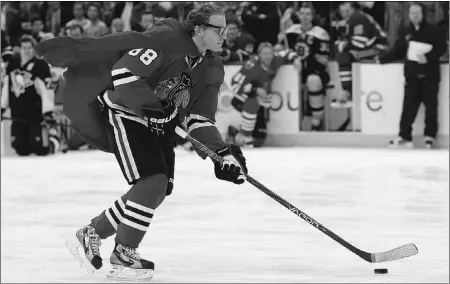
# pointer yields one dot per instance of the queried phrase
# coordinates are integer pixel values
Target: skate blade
(74, 248)
(126, 274)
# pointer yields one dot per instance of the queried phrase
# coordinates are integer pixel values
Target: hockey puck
(381, 271)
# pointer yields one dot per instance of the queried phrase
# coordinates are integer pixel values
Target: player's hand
(162, 121)
(3, 112)
(234, 167)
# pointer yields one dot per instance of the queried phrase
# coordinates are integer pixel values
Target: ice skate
(85, 248)
(429, 142)
(128, 265)
(399, 142)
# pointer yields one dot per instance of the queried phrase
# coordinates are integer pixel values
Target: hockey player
(27, 91)
(252, 97)
(166, 74)
(309, 49)
(363, 40)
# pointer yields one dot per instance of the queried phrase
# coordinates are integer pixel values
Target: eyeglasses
(221, 30)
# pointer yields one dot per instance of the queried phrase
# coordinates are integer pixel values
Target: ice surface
(213, 231)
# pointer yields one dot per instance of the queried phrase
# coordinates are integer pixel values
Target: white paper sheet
(415, 49)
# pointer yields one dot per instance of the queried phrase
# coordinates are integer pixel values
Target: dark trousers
(420, 90)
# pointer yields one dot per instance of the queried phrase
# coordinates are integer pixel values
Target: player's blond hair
(201, 15)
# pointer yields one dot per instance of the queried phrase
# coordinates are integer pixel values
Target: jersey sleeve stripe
(125, 80)
(199, 117)
(196, 121)
(358, 44)
(199, 124)
(123, 76)
(120, 71)
(360, 38)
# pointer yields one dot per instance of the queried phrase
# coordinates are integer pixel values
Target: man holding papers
(420, 45)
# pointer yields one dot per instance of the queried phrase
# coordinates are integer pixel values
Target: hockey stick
(394, 254)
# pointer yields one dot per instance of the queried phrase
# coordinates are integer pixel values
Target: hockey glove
(234, 168)
(162, 121)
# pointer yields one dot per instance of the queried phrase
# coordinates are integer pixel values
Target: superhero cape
(89, 62)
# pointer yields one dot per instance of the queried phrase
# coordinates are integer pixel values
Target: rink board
(378, 96)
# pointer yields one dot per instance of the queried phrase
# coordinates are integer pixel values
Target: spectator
(75, 31)
(53, 18)
(13, 21)
(147, 21)
(26, 25)
(78, 13)
(159, 13)
(95, 27)
(124, 11)
(238, 46)
(262, 21)
(422, 75)
(117, 25)
(37, 28)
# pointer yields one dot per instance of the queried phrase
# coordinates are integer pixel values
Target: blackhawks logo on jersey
(175, 90)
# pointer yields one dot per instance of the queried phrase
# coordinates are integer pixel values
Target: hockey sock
(345, 60)
(106, 223)
(316, 103)
(249, 114)
(142, 200)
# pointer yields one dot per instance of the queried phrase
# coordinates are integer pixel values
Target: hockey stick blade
(394, 254)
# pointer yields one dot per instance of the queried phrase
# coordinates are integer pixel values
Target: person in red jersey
(252, 99)
(140, 88)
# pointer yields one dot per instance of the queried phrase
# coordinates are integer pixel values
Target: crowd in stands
(250, 23)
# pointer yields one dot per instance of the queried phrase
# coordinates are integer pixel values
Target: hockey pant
(147, 161)
(314, 86)
(33, 137)
(345, 60)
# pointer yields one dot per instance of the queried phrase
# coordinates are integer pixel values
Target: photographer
(422, 74)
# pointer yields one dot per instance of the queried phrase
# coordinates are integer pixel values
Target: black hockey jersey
(312, 46)
(27, 89)
(362, 36)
